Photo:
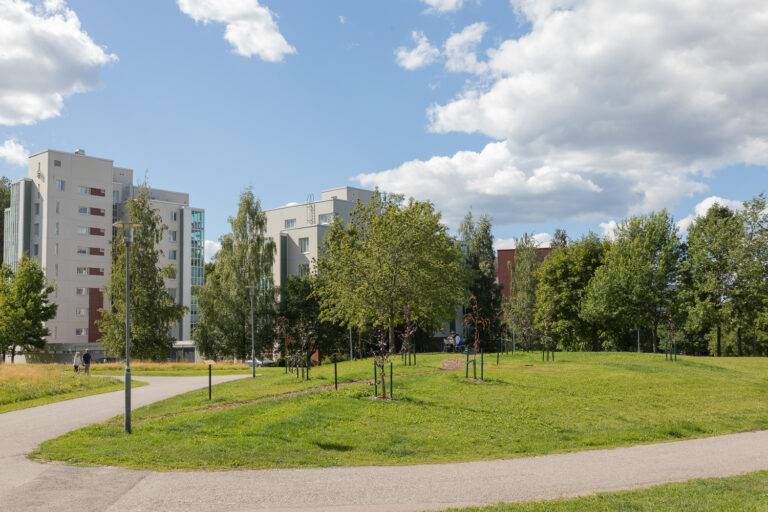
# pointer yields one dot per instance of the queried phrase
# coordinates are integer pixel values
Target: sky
(541, 114)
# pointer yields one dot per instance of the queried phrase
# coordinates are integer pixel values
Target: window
(36, 250)
(172, 273)
(37, 208)
(81, 331)
(172, 254)
(82, 210)
(57, 163)
(82, 230)
(81, 311)
(61, 186)
(172, 293)
(171, 236)
(303, 269)
(36, 229)
(57, 228)
(56, 249)
(174, 216)
(57, 207)
(82, 271)
(115, 196)
(326, 218)
(56, 270)
(289, 223)
(82, 251)
(81, 291)
(304, 245)
(84, 190)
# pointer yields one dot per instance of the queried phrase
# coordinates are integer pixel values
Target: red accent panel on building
(97, 211)
(93, 271)
(97, 192)
(97, 231)
(96, 251)
(95, 303)
(507, 256)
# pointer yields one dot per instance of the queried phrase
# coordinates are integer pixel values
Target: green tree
(519, 307)
(389, 260)
(477, 241)
(559, 239)
(153, 311)
(5, 202)
(562, 280)
(24, 307)
(711, 265)
(243, 265)
(636, 285)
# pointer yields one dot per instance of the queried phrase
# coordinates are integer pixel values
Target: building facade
(298, 229)
(505, 260)
(62, 215)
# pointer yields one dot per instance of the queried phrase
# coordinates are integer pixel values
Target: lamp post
(253, 345)
(127, 228)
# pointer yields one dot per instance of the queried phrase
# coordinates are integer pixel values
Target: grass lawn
(153, 369)
(26, 385)
(745, 493)
(525, 407)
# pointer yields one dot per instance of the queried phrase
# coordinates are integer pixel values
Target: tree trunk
(595, 340)
(719, 339)
(655, 339)
(738, 340)
(391, 334)
(13, 353)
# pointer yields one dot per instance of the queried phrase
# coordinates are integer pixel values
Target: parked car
(260, 362)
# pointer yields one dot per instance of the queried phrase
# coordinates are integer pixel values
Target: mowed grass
(745, 493)
(155, 369)
(525, 407)
(27, 385)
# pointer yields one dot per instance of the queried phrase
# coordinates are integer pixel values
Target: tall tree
(24, 307)
(636, 285)
(559, 239)
(153, 311)
(388, 256)
(562, 280)
(5, 202)
(519, 307)
(477, 239)
(243, 264)
(713, 251)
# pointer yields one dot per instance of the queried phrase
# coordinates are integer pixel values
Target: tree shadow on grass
(335, 447)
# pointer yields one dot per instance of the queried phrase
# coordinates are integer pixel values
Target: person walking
(77, 361)
(87, 362)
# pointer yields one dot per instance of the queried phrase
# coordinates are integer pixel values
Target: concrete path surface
(27, 486)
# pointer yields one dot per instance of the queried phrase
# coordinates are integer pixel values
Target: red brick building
(507, 256)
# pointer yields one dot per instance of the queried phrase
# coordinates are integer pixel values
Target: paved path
(27, 486)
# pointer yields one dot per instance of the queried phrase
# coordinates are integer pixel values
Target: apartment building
(62, 215)
(298, 229)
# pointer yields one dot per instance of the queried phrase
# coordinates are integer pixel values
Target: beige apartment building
(62, 215)
(298, 229)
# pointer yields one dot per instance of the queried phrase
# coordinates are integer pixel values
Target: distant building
(298, 229)
(505, 258)
(62, 216)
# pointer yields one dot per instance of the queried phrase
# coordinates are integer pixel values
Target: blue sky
(560, 113)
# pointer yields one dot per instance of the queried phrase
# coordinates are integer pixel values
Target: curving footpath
(28, 486)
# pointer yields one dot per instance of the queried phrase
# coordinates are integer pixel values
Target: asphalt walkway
(28, 486)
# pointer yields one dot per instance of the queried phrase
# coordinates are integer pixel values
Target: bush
(339, 358)
(280, 362)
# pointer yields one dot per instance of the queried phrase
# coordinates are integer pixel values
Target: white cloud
(444, 5)
(14, 153)
(701, 209)
(603, 110)
(422, 55)
(250, 27)
(211, 248)
(45, 55)
(542, 240)
(460, 49)
(609, 229)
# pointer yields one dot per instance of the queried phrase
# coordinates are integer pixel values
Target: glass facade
(197, 263)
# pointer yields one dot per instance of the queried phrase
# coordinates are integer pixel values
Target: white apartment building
(62, 215)
(298, 229)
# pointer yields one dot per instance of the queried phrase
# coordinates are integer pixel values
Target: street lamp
(127, 228)
(253, 345)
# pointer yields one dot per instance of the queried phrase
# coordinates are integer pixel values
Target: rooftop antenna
(311, 209)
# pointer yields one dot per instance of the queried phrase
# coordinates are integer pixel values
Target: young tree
(562, 280)
(519, 307)
(243, 264)
(387, 257)
(153, 311)
(480, 263)
(713, 247)
(24, 306)
(636, 285)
